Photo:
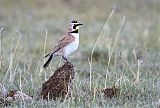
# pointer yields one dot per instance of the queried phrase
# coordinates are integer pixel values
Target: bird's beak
(78, 24)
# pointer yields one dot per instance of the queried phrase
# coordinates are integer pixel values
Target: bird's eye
(74, 27)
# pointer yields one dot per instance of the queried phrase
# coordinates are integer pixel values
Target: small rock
(109, 92)
(17, 95)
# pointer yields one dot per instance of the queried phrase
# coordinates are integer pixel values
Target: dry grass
(31, 28)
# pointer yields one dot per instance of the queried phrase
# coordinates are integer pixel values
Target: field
(119, 45)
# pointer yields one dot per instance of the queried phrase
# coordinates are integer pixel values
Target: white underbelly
(71, 48)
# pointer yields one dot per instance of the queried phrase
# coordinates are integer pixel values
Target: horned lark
(67, 45)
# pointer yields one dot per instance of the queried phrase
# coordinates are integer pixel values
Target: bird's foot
(66, 60)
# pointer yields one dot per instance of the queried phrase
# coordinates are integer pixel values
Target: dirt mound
(59, 84)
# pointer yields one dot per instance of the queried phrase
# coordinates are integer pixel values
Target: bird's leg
(65, 59)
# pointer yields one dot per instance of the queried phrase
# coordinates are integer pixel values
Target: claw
(66, 60)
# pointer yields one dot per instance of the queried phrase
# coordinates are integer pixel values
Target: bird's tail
(47, 55)
(48, 61)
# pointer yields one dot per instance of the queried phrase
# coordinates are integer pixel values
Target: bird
(67, 45)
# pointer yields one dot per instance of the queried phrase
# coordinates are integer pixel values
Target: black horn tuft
(74, 21)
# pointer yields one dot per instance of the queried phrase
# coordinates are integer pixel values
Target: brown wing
(66, 40)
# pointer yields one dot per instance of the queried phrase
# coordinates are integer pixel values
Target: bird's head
(74, 26)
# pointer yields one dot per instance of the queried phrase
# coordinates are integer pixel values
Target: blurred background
(33, 18)
(140, 32)
(138, 39)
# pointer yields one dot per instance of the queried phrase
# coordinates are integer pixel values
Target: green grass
(139, 39)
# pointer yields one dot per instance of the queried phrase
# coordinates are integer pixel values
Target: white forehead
(73, 23)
